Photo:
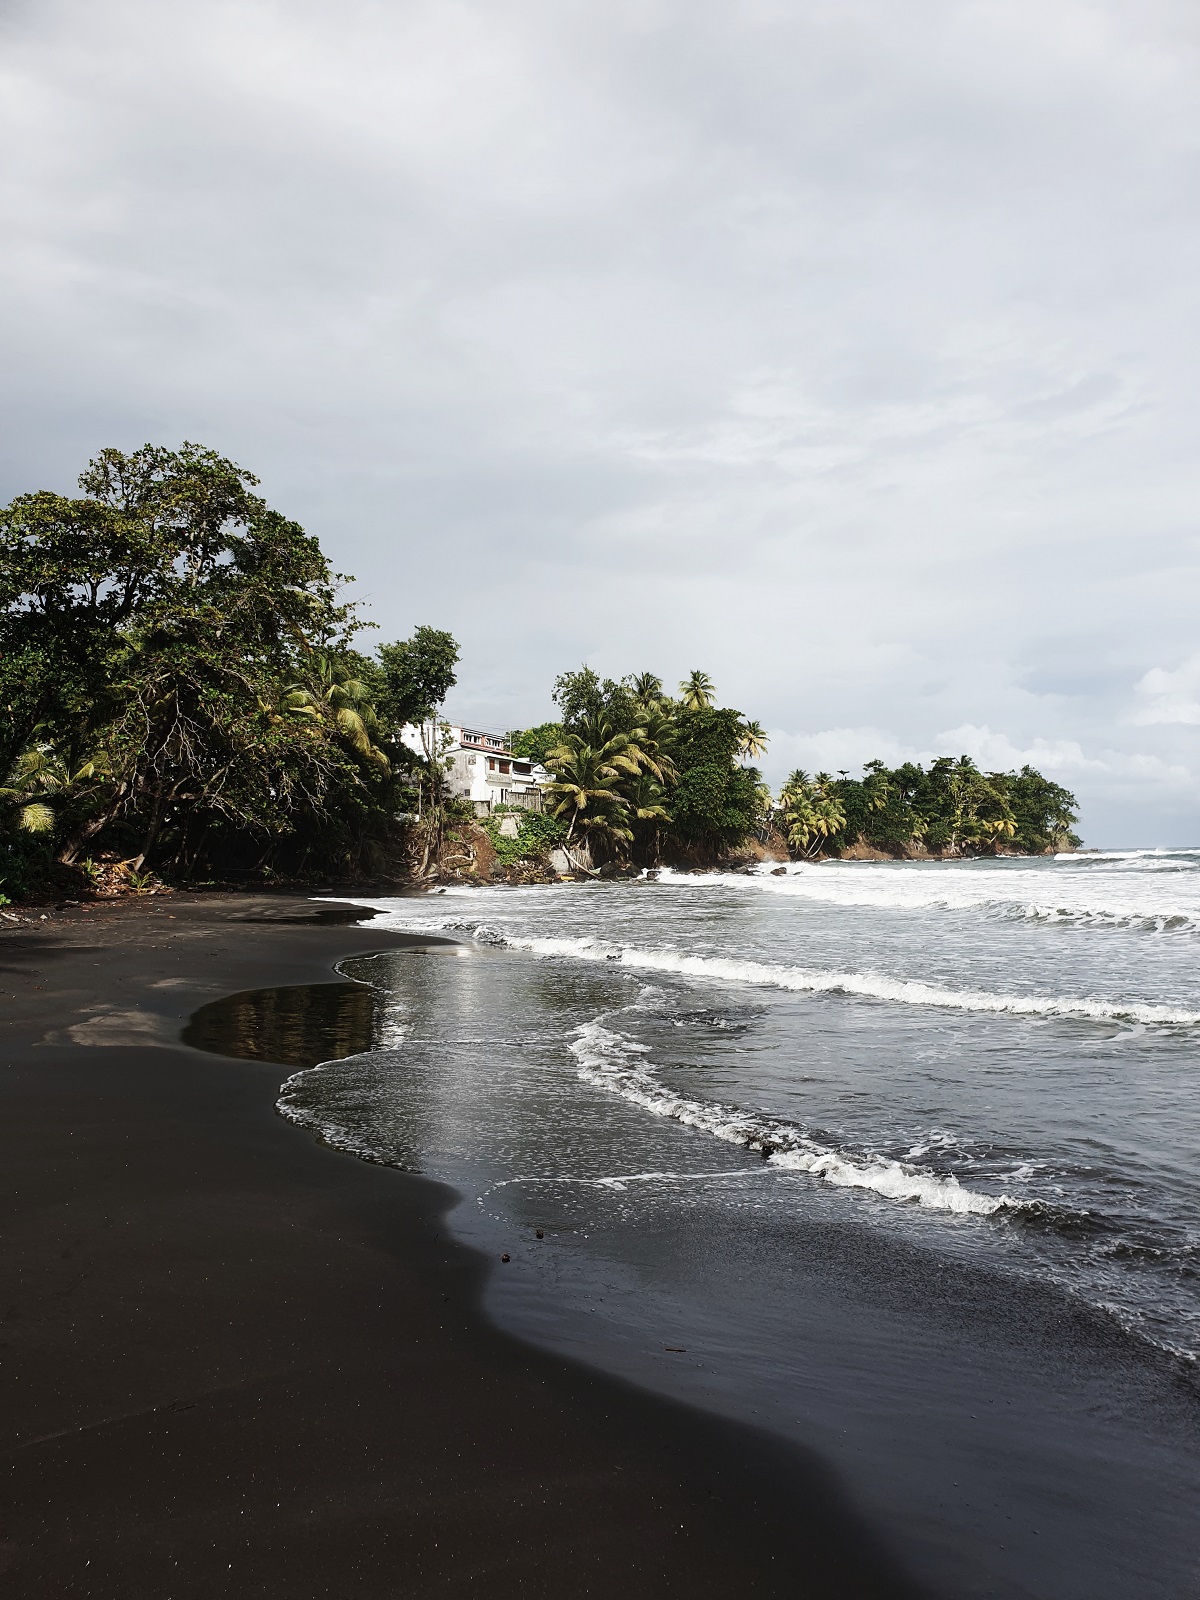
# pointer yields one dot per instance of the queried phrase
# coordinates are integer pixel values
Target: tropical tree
(586, 787)
(753, 739)
(697, 692)
(948, 807)
(964, 806)
(176, 677)
(812, 811)
(535, 744)
(331, 689)
(1044, 812)
(714, 799)
(38, 776)
(414, 676)
(647, 690)
(647, 799)
(682, 783)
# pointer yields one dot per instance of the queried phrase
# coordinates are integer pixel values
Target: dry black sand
(238, 1363)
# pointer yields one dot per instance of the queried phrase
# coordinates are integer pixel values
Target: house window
(522, 767)
(506, 766)
(470, 761)
(491, 764)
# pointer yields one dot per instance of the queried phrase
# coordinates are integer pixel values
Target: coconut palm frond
(752, 740)
(697, 691)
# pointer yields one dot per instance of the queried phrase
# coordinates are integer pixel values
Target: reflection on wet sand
(297, 1026)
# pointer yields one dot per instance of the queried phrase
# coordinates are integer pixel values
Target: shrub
(537, 834)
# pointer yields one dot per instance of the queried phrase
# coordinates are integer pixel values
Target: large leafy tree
(1044, 812)
(176, 675)
(584, 698)
(535, 744)
(151, 618)
(714, 803)
(415, 676)
(412, 681)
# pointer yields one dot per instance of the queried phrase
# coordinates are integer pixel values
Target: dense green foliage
(535, 744)
(537, 834)
(951, 807)
(181, 692)
(637, 774)
(178, 683)
(715, 803)
(415, 676)
(643, 777)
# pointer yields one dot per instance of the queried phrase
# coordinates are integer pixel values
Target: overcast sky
(845, 350)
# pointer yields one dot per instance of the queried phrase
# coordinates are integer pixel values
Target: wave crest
(1139, 902)
(618, 1065)
(866, 985)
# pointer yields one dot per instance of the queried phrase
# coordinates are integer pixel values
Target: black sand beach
(238, 1363)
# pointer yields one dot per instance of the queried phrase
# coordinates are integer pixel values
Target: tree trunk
(152, 831)
(71, 846)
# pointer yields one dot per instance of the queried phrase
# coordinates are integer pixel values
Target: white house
(480, 766)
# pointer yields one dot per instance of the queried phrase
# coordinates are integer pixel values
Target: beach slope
(239, 1363)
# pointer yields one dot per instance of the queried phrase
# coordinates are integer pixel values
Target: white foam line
(1023, 893)
(809, 980)
(621, 1180)
(617, 1065)
(870, 986)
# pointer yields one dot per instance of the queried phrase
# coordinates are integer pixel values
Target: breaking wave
(812, 980)
(1040, 894)
(618, 1065)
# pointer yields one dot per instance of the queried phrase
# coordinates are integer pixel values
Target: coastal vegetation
(644, 777)
(184, 695)
(947, 808)
(638, 775)
(181, 692)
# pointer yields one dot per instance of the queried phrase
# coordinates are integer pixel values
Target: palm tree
(647, 798)
(753, 739)
(586, 778)
(331, 690)
(646, 689)
(697, 691)
(632, 750)
(812, 811)
(39, 773)
(597, 781)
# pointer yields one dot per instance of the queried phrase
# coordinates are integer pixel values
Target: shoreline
(1008, 1437)
(240, 1361)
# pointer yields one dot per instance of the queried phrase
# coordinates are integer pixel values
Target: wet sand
(239, 1363)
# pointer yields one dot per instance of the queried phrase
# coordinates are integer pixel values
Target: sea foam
(619, 1065)
(810, 980)
(1159, 898)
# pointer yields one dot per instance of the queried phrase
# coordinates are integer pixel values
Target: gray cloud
(848, 351)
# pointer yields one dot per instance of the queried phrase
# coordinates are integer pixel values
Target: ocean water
(898, 1160)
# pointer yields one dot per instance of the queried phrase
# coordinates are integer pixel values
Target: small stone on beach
(504, 1257)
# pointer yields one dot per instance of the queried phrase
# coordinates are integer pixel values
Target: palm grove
(183, 691)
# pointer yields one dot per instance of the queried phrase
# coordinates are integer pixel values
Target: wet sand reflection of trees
(297, 1026)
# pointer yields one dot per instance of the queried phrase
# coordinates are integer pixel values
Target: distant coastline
(185, 705)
